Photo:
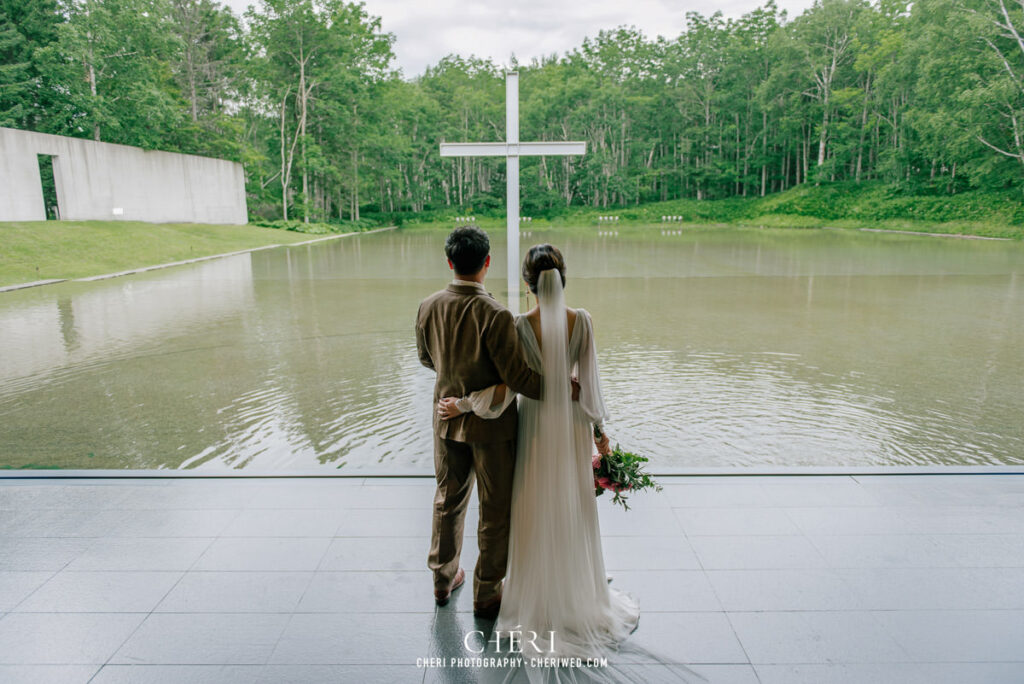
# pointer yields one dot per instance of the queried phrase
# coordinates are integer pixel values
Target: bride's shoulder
(585, 322)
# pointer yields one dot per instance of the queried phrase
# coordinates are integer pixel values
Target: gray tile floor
(880, 578)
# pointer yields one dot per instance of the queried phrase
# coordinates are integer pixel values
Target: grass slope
(40, 250)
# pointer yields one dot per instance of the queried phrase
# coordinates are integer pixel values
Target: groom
(470, 340)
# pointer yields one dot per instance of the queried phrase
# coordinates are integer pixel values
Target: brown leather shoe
(487, 610)
(441, 596)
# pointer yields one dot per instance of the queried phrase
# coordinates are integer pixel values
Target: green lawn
(834, 205)
(43, 250)
(970, 228)
(40, 250)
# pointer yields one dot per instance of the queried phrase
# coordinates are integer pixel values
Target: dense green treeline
(922, 98)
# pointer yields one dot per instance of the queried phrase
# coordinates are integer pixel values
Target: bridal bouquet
(620, 471)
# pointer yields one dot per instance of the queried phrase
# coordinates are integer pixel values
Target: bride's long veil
(554, 476)
(540, 592)
(560, 590)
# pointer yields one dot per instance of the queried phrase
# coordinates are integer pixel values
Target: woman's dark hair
(541, 258)
(467, 248)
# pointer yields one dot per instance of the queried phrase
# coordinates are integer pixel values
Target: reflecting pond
(718, 347)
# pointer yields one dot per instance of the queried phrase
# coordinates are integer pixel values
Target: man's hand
(575, 388)
(447, 409)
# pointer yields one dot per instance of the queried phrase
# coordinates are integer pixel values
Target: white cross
(512, 150)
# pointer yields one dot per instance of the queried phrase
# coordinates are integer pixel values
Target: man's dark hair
(467, 248)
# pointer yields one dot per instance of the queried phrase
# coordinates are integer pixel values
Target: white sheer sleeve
(591, 400)
(481, 402)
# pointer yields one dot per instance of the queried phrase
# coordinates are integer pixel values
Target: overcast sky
(427, 30)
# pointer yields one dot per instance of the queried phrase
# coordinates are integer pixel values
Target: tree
(109, 61)
(25, 26)
(15, 81)
(1000, 26)
(824, 35)
(304, 94)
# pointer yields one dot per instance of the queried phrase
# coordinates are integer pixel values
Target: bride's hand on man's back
(447, 409)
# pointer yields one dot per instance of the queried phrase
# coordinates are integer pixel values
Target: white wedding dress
(555, 584)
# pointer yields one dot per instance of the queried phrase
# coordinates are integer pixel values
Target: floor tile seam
(736, 636)
(721, 604)
(466, 611)
(254, 612)
(120, 537)
(165, 509)
(894, 637)
(283, 536)
(280, 635)
(367, 507)
(199, 572)
(854, 534)
(909, 662)
(71, 664)
(155, 606)
(42, 584)
(875, 610)
(245, 571)
(862, 567)
(2, 538)
(220, 532)
(93, 676)
(111, 476)
(298, 602)
(800, 535)
(84, 509)
(327, 549)
(714, 592)
(460, 611)
(619, 569)
(54, 572)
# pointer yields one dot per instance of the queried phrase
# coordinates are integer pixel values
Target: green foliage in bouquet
(621, 471)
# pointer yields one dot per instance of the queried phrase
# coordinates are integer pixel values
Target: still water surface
(718, 347)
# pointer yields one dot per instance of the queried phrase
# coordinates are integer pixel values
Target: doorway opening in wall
(46, 174)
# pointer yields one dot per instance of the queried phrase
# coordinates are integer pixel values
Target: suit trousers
(456, 465)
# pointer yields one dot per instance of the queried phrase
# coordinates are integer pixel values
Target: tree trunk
(285, 166)
(92, 89)
(764, 151)
(303, 101)
(355, 185)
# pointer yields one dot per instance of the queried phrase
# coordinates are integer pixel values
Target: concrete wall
(102, 181)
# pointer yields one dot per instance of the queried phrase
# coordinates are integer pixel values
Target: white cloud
(427, 31)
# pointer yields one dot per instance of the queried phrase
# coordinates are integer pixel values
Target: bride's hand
(603, 445)
(447, 409)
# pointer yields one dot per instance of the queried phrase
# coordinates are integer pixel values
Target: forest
(922, 97)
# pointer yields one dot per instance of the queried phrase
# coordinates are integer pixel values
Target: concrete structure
(102, 181)
(907, 579)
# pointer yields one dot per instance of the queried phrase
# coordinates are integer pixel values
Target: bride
(555, 584)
